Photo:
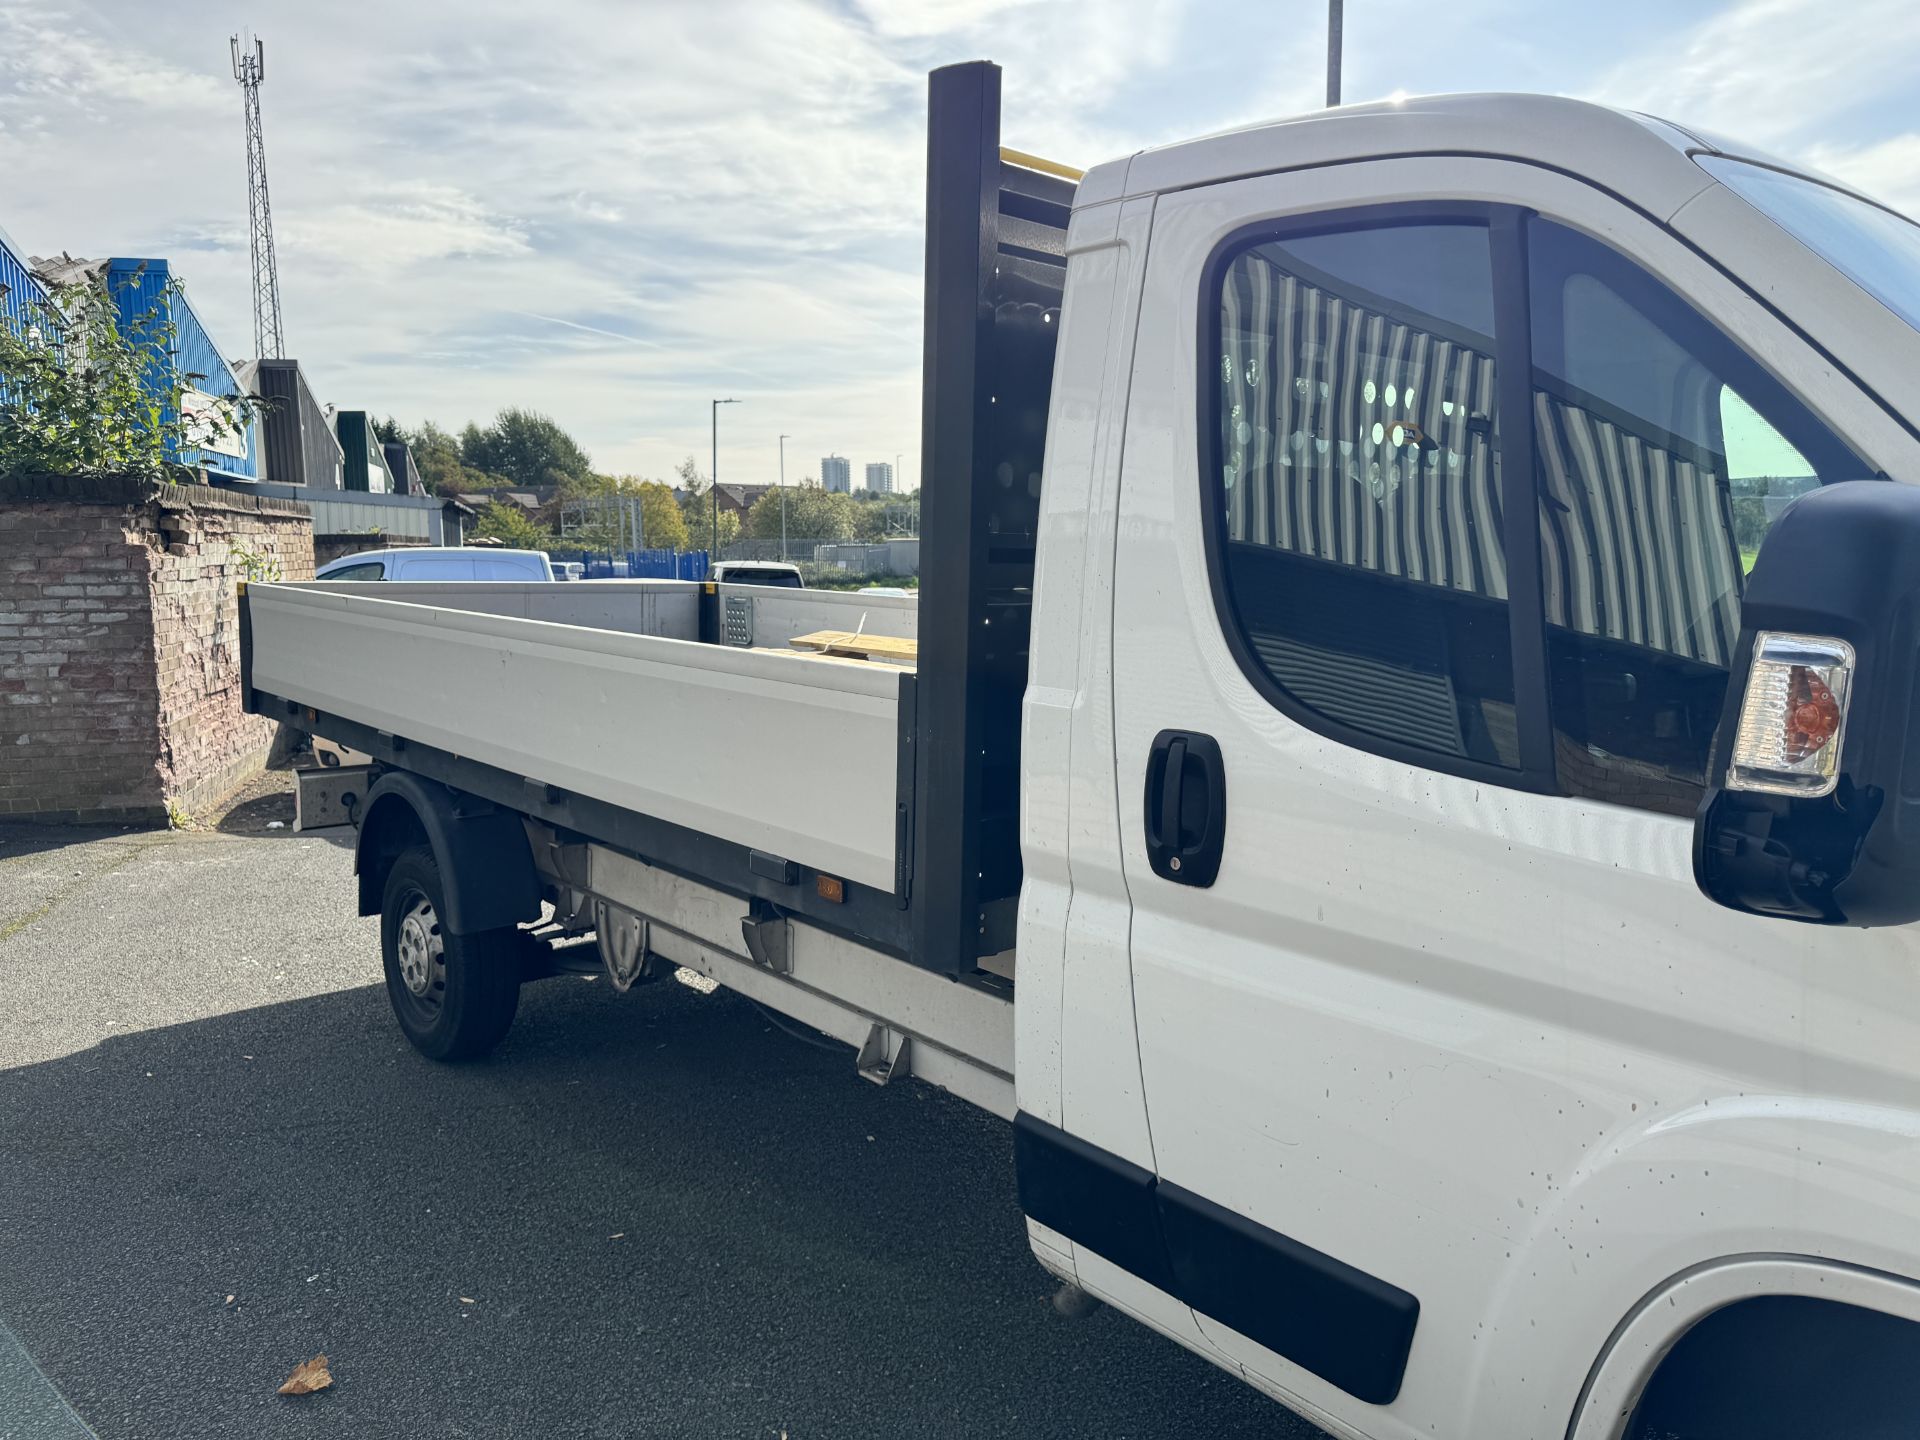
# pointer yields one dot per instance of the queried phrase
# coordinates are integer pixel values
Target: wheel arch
(486, 864)
(1647, 1339)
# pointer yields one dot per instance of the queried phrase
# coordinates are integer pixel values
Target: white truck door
(1407, 741)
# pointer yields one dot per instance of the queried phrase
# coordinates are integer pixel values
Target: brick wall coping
(140, 490)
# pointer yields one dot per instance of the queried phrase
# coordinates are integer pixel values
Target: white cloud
(614, 212)
(47, 62)
(396, 227)
(1785, 74)
(1769, 71)
(921, 19)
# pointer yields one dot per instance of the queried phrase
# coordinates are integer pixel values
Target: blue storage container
(143, 289)
(20, 293)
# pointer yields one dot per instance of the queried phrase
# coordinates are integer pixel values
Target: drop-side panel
(787, 755)
(668, 608)
(778, 615)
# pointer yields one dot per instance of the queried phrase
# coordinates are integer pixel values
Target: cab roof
(491, 551)
(1638, 156)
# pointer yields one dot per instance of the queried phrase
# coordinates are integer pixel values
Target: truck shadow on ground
(254, 815)
(647, 1215)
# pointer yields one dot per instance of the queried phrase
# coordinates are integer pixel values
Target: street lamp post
(783, 496)
(713, 479)
(1336, 19)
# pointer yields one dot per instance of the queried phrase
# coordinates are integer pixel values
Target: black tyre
(454, 995)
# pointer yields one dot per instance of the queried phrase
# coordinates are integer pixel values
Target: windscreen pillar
(996, 267)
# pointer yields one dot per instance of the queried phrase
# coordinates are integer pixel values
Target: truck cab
(1407, 468)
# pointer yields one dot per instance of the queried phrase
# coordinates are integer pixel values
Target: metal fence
(821, 562)
(827, 560)
(636, 564)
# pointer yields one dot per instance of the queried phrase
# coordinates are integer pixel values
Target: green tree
(83, 393)
(1750, 512)
(438, 455)
(511, 526)
(699, 523)
(390, 431)
(526, 448)
(661, 523)
(696, 509)
(662, 527)
(884, 516)
(812, 514)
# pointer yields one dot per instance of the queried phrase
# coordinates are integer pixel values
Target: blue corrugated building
(19, 291)
(142, 289)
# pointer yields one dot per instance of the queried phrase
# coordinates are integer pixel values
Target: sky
(616, 212)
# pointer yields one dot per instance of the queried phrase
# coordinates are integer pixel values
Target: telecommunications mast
(269, 343)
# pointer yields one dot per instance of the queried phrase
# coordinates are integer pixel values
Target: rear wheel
(454, 995)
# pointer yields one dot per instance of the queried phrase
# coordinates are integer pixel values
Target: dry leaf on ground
(308, 1376)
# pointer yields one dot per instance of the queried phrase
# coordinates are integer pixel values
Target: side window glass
(1357, 485)
(366, 570)
(1764, 472)
(1664, 454)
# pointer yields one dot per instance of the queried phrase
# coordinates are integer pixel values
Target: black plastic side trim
(246, 651)
(1346, 1326)
(486, 867)
(1350, 1328)
(776, 868)
(1092, 1197)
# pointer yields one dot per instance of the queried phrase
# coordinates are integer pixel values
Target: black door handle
(1186, 807)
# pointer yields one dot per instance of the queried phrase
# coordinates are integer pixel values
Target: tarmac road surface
(649, 1215)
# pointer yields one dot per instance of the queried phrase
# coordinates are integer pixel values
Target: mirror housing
(1841, 563)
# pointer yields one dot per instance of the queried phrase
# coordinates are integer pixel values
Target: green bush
(511, 526)
(83, 394)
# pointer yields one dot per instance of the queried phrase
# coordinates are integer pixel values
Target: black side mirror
(1813, 806)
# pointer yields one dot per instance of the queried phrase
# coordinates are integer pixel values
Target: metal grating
(736, 621)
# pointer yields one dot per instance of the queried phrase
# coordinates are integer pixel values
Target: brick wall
(77, 680)
(119, 644)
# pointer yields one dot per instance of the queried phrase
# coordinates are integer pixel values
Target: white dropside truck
(1415, 819)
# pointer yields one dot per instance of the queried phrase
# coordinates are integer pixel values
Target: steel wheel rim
(420, 953)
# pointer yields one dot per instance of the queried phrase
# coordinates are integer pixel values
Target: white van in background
(422, 562)
(777, 573)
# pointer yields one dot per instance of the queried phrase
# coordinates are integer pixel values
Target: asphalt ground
(649, 1215)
